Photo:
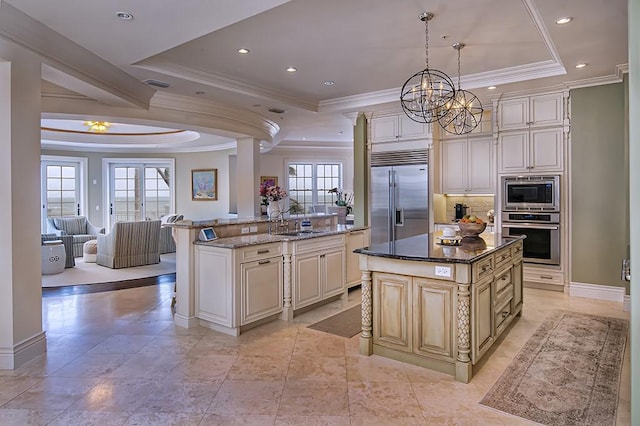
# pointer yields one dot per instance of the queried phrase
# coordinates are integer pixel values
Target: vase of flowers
(271, 195)
(343, 204)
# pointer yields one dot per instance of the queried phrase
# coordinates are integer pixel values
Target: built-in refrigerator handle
(392, 205)
(400, 217)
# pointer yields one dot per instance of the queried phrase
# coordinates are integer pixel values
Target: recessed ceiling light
(126, 16)
(491, 87)
(581, 65)
(292, 69)
(564, 20)
(243, 51)
(329, 83)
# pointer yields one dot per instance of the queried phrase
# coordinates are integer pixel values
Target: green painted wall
(599, 184)
(360, 172)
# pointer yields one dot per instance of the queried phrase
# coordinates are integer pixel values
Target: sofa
(130, 244)
(78, 227)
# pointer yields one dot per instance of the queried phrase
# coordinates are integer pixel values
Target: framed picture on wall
(264, 179)
(204, 185)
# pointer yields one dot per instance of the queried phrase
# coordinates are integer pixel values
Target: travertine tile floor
(115, 358)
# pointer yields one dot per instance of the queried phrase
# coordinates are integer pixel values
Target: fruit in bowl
(471, 226)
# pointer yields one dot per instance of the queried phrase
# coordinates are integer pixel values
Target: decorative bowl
(468, 229)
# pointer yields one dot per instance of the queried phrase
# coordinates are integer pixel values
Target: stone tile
(168, 419)
(375, 369)
(203, 367)
(290, 420)
(92, 365)
(386, 400)
(24, 417)
(313, 342)
(116, 395)
(90, 418)
(181, 397)
(254, 367)
(313, 398)
(311, 367)
(53, 394)
(147, 365)
(247, 397)
(237, 420)
(121, 344)
(12, 386)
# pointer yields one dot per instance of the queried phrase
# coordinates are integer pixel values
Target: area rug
(346, 324)
(91, 273)
(568, 372)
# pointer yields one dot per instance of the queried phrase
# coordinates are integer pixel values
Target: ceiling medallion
(98, 126)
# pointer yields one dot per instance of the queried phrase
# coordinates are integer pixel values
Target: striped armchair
(79, 227)
(130, 244)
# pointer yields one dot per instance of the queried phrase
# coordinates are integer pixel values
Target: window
(139, 189)
(309, 184)
(62, 188)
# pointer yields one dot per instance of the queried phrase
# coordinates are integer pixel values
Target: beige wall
(599, 185)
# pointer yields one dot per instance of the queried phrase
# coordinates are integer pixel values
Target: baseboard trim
(12, 357)
(594, 291)
(185, 322)
(627, 303)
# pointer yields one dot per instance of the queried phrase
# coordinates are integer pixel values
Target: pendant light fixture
(426, 93)
(464, 111)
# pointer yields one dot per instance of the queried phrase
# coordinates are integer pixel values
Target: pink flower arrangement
(271, 192)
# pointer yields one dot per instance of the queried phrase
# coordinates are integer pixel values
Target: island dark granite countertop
(426, 248)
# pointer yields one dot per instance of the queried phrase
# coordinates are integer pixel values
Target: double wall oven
(531, 207)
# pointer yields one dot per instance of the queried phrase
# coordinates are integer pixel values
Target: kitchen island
(436, 306)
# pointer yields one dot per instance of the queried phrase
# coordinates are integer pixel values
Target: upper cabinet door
(454, 166)
(513, 152)
(531, 112)
(384, 129)
(546, 110)
(513, 114)
(480, 166)
(546, 150)
(410, 129)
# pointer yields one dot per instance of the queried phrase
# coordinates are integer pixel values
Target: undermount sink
(299, 233)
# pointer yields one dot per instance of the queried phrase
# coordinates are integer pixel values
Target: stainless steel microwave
(540, 193)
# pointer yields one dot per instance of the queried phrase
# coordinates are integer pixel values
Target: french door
(140, 191)
(62, 189)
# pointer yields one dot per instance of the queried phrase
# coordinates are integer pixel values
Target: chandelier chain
(426, 43)
(458, 69)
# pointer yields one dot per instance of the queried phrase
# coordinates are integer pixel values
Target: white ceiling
(368, 47)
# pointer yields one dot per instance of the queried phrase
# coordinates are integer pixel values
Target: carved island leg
(366, 338)
(287, 309)
(463, 362)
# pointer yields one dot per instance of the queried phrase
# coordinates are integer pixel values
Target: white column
(248, 178)
(21, 334)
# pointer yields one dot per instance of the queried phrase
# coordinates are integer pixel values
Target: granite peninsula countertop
(189, 224)
(426, 248)
(255, 239)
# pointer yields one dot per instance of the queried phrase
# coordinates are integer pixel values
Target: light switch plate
(443, 271)
(245, 230)
(253, 229)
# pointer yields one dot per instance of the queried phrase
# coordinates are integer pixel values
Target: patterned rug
(567, 373)
(346, 324)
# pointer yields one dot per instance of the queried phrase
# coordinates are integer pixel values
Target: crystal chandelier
(425, 94)
(464, 111)
(98, 126)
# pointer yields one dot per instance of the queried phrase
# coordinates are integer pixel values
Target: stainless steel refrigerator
(399, 202)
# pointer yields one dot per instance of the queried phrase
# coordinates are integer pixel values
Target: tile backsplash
(478, 206)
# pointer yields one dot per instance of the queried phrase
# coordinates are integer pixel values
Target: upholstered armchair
(79, 227)
(130, 244)
(167, 243)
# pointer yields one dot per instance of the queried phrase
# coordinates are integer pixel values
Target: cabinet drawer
(261, 251)
(543, 276)
(503, 257)
(503, 280)
(483, 268)
(504, 295)
(319, 244)
(516, 251)
(502, 315)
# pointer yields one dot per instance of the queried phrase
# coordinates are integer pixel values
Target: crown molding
(224, 83)
(595, 81)
(71, 64)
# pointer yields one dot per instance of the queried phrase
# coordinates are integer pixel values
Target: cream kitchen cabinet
(355, 240)
(396, 127)
(468, 166)
(318, 269)
(531, 112)
(237, 287)
(531, 151)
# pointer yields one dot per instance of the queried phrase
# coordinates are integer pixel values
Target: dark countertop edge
(511, 240)
(189, 224)
(256, 239)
